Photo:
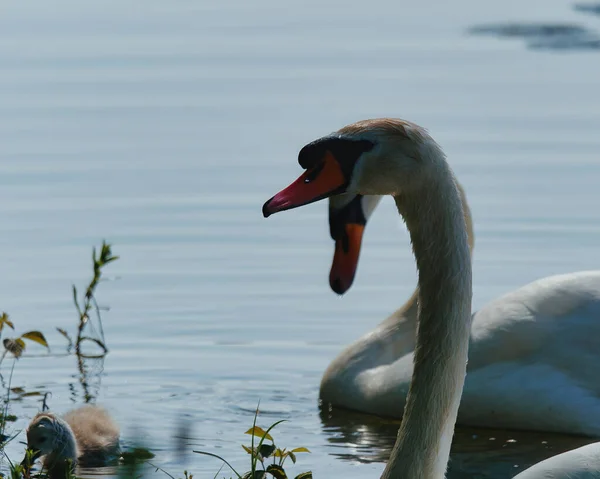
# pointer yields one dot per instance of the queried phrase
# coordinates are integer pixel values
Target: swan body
(529, 354)
(580, 463)
(529, 361)
(86, 436)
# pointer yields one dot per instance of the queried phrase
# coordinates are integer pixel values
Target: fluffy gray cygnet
(86, 436)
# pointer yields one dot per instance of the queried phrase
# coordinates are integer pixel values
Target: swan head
(49, 436)
(348, 217)
(371, 157)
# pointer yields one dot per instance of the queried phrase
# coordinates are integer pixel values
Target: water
(164, 126)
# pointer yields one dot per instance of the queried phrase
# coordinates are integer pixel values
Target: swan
(86, 436)
(398, 158)
(580, 463)
(531, 355)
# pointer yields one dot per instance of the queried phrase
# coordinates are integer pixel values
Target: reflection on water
(112, 470)
(476, 453)
(593, 8)
(548, 36)
(544, 36)
(88, 379)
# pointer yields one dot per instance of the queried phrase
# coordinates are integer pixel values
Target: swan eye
(312, 174)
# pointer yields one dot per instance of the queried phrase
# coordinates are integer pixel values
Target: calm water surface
(164, 126)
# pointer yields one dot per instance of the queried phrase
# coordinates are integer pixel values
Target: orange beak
(323, 180)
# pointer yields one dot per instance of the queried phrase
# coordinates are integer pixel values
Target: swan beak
(323, 180)
(345, 258)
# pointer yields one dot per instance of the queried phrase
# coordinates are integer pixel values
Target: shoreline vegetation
(266, 458)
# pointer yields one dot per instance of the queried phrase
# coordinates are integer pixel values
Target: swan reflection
(476, 453)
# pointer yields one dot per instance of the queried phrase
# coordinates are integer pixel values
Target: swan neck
(438, 234)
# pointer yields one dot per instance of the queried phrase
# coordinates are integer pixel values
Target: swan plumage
(580, 463)
(530, 354)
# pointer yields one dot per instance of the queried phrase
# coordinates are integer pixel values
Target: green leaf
(256, 453)
(280, 453)
(111, 259)
(259, 432)
(106, 255)
(276, 471)
(17, 390)
(247, 449)
(304, 475)
(36, 337)
(65, 334)
(4, 320)
(300, 449)
(266, 450)
(292, 456)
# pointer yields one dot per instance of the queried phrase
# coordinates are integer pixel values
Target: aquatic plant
(16, 346)
(89, 302)
(266, 458)
(263, 451)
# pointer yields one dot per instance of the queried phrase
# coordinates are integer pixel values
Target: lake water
(164, 126)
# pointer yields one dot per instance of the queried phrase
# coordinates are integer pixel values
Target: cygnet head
(371, 157)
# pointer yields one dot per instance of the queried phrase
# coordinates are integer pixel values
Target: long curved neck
(438, 235)
(408, 311)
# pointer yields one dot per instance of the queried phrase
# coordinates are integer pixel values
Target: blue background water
(164, 126)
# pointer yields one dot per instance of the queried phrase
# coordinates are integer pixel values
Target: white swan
(398, 158)
(532, 356)
(580, 463)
